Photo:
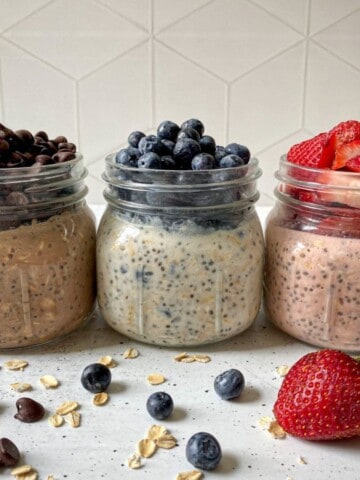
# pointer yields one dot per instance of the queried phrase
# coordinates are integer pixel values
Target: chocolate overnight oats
(180, 246)
(47, 239)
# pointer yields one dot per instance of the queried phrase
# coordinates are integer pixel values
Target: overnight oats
(47, 240)
(180, 251)
(312, 274)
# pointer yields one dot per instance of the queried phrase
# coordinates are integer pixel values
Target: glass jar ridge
(180, 254)
(312, 272)
(47, 253)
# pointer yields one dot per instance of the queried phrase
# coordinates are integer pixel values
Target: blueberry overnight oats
(312, 273)
(47, 239)
(180, 246)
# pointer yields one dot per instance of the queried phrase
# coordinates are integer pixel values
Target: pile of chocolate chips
(20, 148)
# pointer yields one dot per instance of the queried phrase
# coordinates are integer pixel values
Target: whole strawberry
(319, 398)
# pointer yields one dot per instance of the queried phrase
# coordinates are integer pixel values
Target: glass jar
(312, 273)
(47, 253)
(180, 253)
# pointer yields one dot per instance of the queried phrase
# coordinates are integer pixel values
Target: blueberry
(149, 160)
(134, 138)
(151, 143)
(189, 133)
(219, 154)
(230, 161)
(184, 151)
(160, 405)
(168, 146)
(168, 130)
(203, 161)
(128, 156)
(229, 384)
(96, 377)
(207, 144)
(195, 124)
(168, 163)
(239, 150)
(203, 451)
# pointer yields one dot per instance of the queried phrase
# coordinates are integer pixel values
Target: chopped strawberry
(346, 152)
(346, 132)
(312, 153)
(319, 398)
(353, 165)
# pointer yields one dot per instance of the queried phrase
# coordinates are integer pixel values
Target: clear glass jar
(312, 273)
(180, 253)
(47, 253)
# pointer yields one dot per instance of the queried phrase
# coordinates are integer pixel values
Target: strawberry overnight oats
(312, 274)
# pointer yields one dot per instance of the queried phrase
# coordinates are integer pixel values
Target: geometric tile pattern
(267, 73)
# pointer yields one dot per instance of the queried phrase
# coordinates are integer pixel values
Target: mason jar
(180, 253)
(47, 253)
(312, 273)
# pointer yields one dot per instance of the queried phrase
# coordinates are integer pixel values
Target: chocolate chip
(43, 159)
(63, 156)
(25, 137)
(9, 453)
(29, 410)
(4, 146)
(70, 147)
(16, 198)
(60, 139)
(42, 135)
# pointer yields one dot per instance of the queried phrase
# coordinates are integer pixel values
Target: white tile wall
(267, 73)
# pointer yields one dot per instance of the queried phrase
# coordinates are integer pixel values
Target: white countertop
(99, 448)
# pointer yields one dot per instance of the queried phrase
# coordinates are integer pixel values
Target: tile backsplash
(266, 73)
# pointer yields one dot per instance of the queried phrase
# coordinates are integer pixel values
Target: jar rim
(21, 172)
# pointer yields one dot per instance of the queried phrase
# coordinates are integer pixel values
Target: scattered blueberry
(203, 451)
(134, 138)
(128, 156)
(189, 133)
(168, 130)
(229, 384)
(208, 144)
(239, 150)
(203, 161)
(160, 405)
(184, 151)
(230, 161)
(149, 160)
(151, 143)
(96, 377)
(195, 124)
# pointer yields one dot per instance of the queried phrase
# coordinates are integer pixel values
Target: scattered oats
(192, 475)
(131, 353)
(302, 460)
(146, 447)
(188, 359)
(21, 470)
(275, 430)
(282, 370)
(32, 475)
(20, 387)
(156, 379)
(166, 441)
(100, 398)
(73, 419)
(50, 477)
(357, 358)
(16, 364)
(67, 407)
(108, 361)
(56, 420)
(49, 381)
(264, 422)
(155, 432)
(202, 358)
(180, 356)
(134, 461)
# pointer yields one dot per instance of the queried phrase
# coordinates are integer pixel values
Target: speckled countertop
(108, 435)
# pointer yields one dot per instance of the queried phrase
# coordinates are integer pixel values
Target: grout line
(33, 12)
(284, 22)
(268, 60)
(178, 20)
(272, 145)
(228, 89)
(121, 15)
(152, 67)
(77, 113)
(204, 69)
(305, 66)
(333, 54)
(41, 60)
(334, 23)
(2, 96)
